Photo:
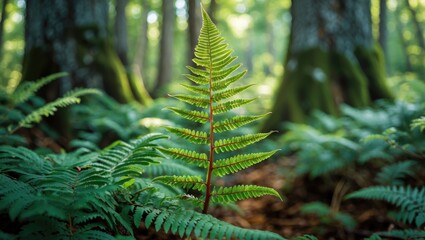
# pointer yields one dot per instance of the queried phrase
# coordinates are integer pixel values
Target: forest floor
(286, 218)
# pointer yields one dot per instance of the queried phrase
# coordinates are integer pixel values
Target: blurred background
(258, 31)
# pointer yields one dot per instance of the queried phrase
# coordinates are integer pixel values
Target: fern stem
(211, 157)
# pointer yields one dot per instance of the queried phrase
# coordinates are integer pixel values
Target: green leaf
(194, 136)
(188, 156)
(187, 182)
(196, 116)
(234, 143)
(239, 162)
(241, 192)
(235, 122)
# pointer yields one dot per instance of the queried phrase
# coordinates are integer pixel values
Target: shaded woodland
(212, 119)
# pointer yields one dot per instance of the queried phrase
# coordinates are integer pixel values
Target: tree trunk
(121, 45)
(2, 20)
(331, 60)
(121, 33)
(418, 27)
(383, 31)
(72, 36)
(400, 28)
(166, 46)
(194, 26)
(140, 58)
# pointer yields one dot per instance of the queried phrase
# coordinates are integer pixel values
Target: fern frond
(241, 192)
(227, 106)
(187, 223)
(197, 89)
(195, 101)
(196, 116)
(404, 234)
(410, 200)
(234, 164)
(188, 156)
(15, 196)
(187, 182)
(235, 122)
(193, 136)
(393, 174)
(224, 83)
(234, 143)
(217, 97)
(418, 123)
(26, 89)
(48, 109)
(197, 79)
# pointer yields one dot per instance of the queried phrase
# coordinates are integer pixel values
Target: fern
(212, 95)
(418, 123)
(27, 89)
(411, 201)
(393, 174)
(48, 109)
(187, 223)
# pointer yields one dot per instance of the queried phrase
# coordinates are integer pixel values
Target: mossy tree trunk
(331, 59)
(72, 36)
(3, 17)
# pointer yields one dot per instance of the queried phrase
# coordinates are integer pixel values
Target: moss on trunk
(315, 79)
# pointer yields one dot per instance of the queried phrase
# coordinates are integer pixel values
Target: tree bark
(121, 33)
(2, 21)
(194, 26)
(72, 36)
(166, 46)
(331, 59)
(383, 30)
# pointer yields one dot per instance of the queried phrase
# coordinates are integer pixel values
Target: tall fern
(211, 95)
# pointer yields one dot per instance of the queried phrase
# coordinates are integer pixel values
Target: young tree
(331, 59)
(166, 46)
(72, 36)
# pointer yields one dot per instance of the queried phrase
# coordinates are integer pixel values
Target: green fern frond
(48, 109)
(193, 136)
(188, 223)
(418, 123)
(195, 101)
(404, 234)
(234, 164)
(410, 200)
(196, 116)
(305, 237)
(187, 182)
(213, 75)
(235, 122)
(189, 156)
(393, 174)
(235, 143)
(241, 192)
(27, 89)
(227, 106)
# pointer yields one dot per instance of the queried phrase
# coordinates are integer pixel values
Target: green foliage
(394, 174)
(212, 94)
(411, 201)
(331, 144)
(22, 108)
(97, 195)
(328, 216)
